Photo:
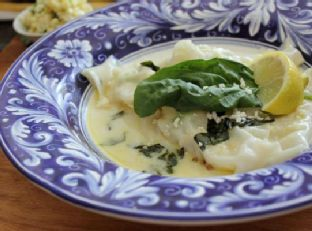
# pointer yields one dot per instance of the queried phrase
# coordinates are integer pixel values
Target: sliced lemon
(280, 83)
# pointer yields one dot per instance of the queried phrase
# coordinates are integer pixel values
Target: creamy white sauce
(132, 131)
(248, 148)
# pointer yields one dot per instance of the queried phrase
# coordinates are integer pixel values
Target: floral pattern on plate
(40, 103)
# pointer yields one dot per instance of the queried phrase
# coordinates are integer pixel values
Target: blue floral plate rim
(297, 169)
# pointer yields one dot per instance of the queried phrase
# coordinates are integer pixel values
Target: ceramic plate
(42, 112)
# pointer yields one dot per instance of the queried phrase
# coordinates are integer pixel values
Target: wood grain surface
(24, 207)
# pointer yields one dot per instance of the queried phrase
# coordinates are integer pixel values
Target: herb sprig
(219, 132)
(171, 159)
(150, 65)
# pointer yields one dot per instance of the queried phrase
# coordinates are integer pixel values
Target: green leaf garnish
(149, 150)
(150, 65)
(209, 85)
(170, 158)
(219, 132)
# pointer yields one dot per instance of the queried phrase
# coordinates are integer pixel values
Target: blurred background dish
(20, 29)
(46, 15)
(32, 19)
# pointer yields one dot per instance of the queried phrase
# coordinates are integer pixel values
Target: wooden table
(25, 207)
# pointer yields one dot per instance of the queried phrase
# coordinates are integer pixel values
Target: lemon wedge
(281, 86)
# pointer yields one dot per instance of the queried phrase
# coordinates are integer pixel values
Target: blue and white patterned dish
(42, 133)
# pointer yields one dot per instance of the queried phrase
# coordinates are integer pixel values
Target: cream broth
(116, 136)
(118, 132)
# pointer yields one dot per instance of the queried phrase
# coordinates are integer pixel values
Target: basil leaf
(195, 85)
(251, 122)
(219, 132)
(170, 158)
(149, 150)
(216, 133)
(150, 65)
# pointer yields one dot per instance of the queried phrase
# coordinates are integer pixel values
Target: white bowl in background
(21, 30)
